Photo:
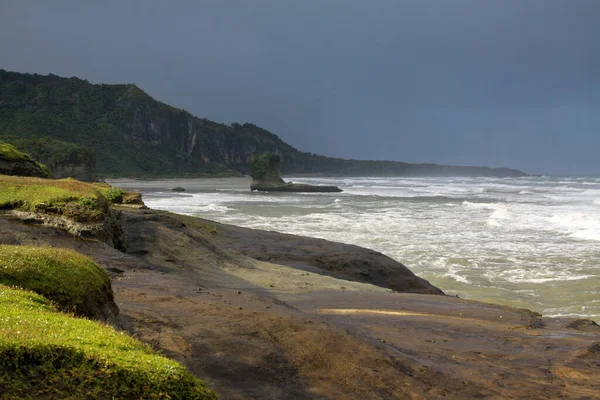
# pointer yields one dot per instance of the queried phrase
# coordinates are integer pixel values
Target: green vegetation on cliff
(69, 198)
(72, 199)
(131, 134)
(57, 155)
(10, 153)
(20, 161)
(260, 164)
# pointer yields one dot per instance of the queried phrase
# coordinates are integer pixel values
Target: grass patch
(85, 202)
(73, 281)
(75, 200)
(48, 354)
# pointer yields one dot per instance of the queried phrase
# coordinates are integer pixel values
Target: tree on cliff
(261, 164)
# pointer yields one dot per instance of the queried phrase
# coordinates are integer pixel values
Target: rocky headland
(80, 129)
(264, 315)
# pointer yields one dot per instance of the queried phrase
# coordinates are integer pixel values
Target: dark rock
(591, 352)
(585, 325)
(21, 168)
(321, 256)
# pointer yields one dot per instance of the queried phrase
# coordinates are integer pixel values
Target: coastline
(479, 239)
(260, 314)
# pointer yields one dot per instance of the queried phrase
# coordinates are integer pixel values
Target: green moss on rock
(48, 354)
(73, 281)
(52, 196)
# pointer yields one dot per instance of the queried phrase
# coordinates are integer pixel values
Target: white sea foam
(554, 279)
(587, 235)
(498, 216)
(457, 277)
(213, 207)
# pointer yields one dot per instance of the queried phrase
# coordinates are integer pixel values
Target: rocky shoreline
(264, 315)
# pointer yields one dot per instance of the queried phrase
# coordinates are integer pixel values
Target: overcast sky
(480, 82)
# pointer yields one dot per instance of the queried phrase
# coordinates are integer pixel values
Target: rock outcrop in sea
(266, 177)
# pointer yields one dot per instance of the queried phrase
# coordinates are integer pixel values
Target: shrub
(88, 202)
(113, 195)
(260, 164)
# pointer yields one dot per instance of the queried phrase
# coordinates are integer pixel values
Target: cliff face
(131, 134)
(82, 172)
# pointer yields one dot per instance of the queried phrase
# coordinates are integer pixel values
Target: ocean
(530, 242)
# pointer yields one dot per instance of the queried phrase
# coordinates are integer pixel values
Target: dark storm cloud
(503, 83)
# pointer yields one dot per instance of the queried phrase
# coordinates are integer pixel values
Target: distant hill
(129, 134)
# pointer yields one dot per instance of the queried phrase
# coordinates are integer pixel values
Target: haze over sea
(529, 242)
